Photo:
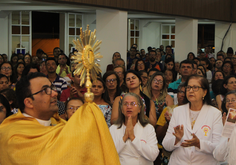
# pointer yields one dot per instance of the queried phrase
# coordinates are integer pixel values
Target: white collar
(42, 122)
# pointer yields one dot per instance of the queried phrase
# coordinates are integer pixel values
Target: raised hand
(167, 116)
(179, 133)
(160, 107)
(73, 91)
(192, 142)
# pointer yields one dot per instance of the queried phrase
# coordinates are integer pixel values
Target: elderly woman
(221, 151)
(134, 138)
(71, 105)
(195, 128)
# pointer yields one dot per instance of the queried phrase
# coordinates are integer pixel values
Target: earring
(203, 98)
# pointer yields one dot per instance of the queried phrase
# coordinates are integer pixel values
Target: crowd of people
(158, 110)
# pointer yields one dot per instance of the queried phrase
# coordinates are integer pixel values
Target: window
(20, 32)
(168, 35)
(133, 32)
(75, 23)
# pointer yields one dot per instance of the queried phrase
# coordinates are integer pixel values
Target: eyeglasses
(27, 58)
(140, 64)
(111, 80)
(227, 66)
(181, 92)
(132, 104)
(5, 68)
(48, 90)
(73, 108)
(232, 101)
(118, 73)
(195, 88)
(159, 81)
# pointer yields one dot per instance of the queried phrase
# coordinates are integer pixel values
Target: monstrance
(87, 59)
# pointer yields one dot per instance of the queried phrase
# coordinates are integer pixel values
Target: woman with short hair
(195, 128)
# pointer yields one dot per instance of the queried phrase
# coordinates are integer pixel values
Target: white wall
(111, 26)
(230, 39)
(150, 34)
(4, 42)
(89, 19)
(186, 31)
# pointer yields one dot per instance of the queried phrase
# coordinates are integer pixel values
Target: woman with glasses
(228, 102)
(227, 68)
(7, 69)
(120, 71)
(71, 106)
(139, 65)
(112, 82)
(195, 128)
(27, 59)
(144, 77)
(134, 138)
(221, 152)
(101, 98)
(157, 92)
(229, 84)
(133, 82)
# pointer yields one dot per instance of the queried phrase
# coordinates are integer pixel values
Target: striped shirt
(60, 83)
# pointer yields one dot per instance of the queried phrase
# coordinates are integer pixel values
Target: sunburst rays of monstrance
(87, 59)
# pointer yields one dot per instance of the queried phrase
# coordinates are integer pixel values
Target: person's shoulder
(148, 127)
(213, 109)
(181, 108)
(174, 84)
(61, 79)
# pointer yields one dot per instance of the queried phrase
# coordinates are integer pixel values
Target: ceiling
(19, 5)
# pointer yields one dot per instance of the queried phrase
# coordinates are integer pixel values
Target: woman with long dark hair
(5, 109)
(20, 66)
(101, 98)
(6, 68)
(229, 84)
(133, 82)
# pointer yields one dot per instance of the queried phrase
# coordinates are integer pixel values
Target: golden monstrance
(87, 59)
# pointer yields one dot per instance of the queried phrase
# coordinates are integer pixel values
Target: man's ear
(10, 102)
(28, 102)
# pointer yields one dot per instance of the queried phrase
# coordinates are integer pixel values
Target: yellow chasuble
(83, 140)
